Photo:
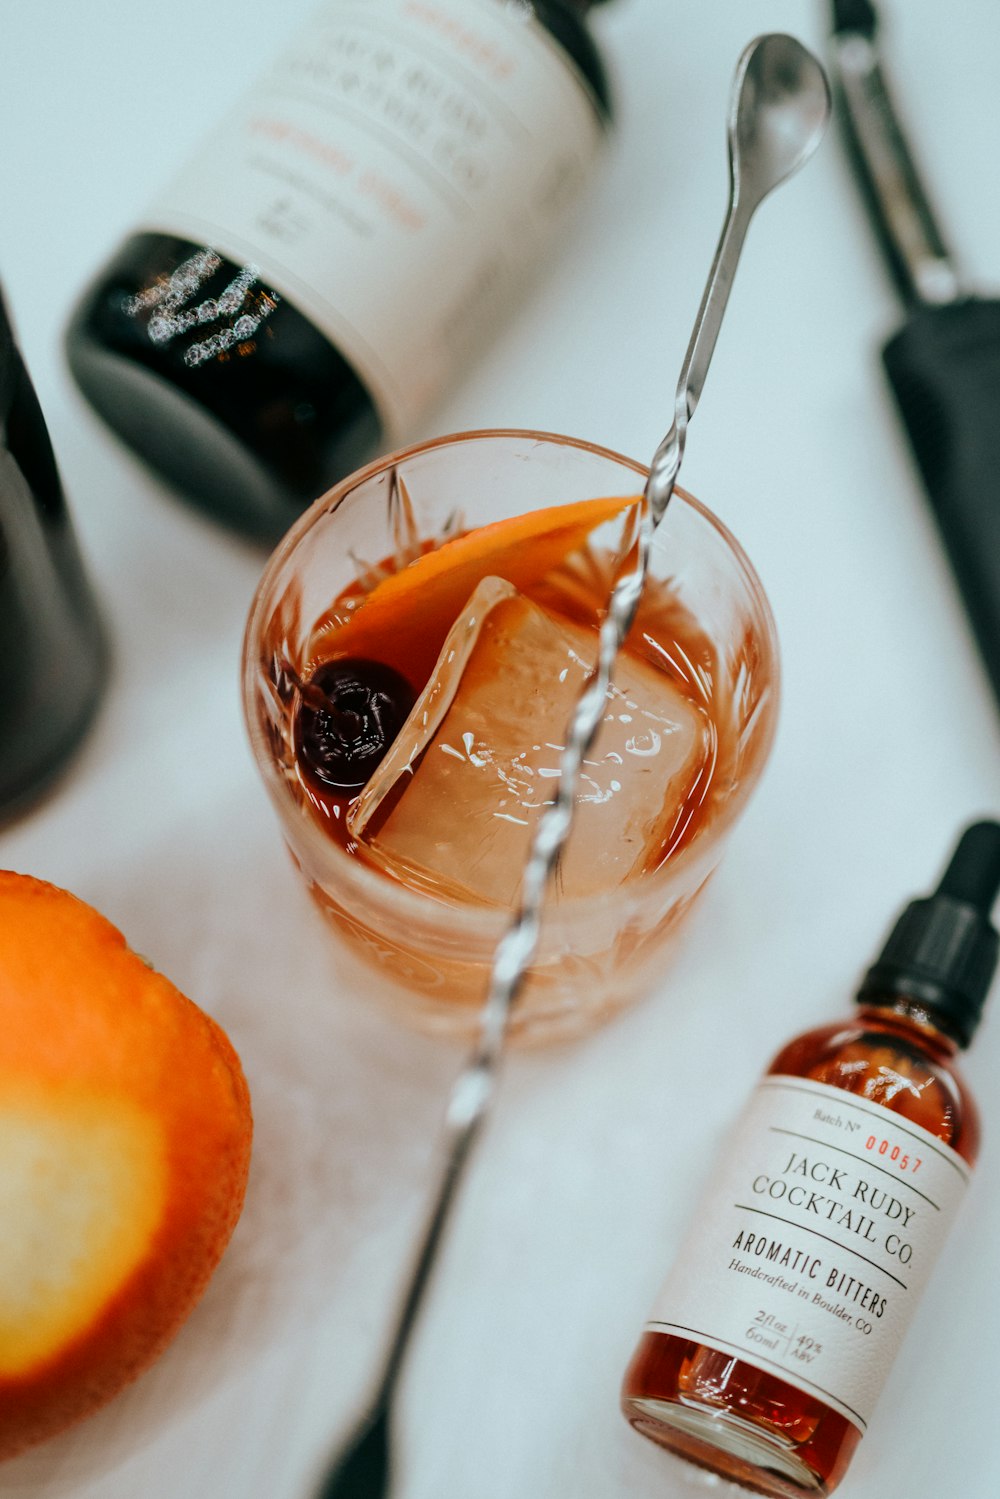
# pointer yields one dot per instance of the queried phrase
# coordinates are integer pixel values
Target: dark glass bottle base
(53, 658)
(255, 432)
(33, 764)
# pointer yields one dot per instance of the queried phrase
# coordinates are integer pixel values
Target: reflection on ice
(454, 805)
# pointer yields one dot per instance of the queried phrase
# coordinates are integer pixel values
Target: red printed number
(893, 1153)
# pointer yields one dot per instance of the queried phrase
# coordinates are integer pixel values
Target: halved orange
(406, 617)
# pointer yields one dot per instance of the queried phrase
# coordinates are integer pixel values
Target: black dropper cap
(942, 952)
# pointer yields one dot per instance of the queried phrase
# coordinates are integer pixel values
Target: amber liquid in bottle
(723, 1413)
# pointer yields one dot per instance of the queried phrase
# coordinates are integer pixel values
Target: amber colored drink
(666, 643)
(414, 853)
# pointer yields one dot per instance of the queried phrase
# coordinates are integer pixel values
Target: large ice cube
(455, 803)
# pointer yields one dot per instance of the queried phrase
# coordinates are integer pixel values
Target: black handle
(944, 369)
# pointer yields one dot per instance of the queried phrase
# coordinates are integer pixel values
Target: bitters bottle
(791, 1295)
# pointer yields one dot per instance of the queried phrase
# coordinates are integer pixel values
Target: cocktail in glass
(461, 583)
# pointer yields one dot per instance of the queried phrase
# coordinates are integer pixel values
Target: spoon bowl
(781, 105)
(779, 108)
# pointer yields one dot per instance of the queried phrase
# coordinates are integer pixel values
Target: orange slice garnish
(406, 617)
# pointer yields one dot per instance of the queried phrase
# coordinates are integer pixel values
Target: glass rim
(370, 883)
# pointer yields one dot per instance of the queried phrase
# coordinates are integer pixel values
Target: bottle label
(811, 1252)
(393, 176)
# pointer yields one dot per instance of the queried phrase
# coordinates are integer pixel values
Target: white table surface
(888, 744)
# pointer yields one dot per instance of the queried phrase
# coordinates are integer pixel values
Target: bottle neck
(942, 951)
(904, 1015)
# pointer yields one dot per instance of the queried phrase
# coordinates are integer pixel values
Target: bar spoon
(778, 110)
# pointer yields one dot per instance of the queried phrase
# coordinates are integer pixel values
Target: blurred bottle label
(394, 176)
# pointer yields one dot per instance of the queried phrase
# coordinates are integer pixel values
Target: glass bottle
(778, 1325)
(343, 242)
(51, 647)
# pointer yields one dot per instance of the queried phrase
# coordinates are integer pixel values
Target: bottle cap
(943, 950)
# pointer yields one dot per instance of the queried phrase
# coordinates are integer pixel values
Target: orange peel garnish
(424, 599)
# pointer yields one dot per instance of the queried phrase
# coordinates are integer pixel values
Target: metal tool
(944, 363)
(779, 107)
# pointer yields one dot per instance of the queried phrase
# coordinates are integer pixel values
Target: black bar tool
(944, 363)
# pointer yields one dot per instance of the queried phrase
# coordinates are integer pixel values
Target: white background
(887, 745)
